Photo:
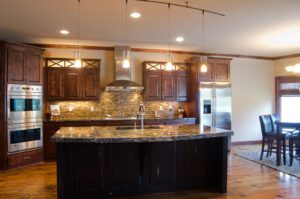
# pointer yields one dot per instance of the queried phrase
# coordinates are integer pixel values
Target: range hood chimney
(122, 81)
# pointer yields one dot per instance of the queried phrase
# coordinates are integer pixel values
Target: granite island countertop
(111, 134)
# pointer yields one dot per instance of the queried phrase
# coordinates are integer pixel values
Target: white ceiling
(250, 27)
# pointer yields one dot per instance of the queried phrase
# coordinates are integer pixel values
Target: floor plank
(246, 179)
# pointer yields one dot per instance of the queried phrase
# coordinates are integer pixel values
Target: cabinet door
(182, 86)
(163, 164)
(90, 84)
(87, 157)
(126, 167)
(168, 86)
(152, 85)
(16, 64)
(55, 83)
(220, 71)
(33, 67)
(191, 161)
(205, 76)
(72, 84)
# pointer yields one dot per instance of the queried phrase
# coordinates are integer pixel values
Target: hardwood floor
(246, 179)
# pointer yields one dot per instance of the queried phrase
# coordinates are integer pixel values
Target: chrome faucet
(141, 114)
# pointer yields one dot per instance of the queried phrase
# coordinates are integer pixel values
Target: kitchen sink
(120, 118)
(138, 127)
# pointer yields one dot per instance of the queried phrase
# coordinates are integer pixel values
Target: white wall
(253, 90)
(252, 85)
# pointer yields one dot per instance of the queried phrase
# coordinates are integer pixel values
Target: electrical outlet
(71, 108)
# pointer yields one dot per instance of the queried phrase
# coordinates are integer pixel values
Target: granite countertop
(75, 119)
(110, 134)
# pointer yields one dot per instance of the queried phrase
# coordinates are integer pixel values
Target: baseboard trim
(247, 142)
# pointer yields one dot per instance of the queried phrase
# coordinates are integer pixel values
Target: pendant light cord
(126, 23)
(203, 30)
(169, 30)
(78, 27)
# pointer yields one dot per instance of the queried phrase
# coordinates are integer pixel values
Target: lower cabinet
(91, 170)
(125, 168)
(162, 164)
(190, 156)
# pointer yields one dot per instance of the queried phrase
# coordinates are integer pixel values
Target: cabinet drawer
(25, 158)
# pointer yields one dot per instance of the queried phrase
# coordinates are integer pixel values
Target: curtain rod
(183, 6)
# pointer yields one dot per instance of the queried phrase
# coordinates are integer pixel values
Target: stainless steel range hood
(122, 81)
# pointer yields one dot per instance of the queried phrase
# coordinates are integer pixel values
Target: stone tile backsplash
(115, 104)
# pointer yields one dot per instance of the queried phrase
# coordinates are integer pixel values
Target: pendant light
(126, 62)
(169, 65)
(77, 53)
(203, 59)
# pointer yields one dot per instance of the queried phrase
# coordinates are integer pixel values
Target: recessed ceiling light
(64, 32)
(135, 15)
(179, 39)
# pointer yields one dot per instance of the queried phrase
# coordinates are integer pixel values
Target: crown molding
(145, 50)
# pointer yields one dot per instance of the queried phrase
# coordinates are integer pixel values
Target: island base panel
(94, 170)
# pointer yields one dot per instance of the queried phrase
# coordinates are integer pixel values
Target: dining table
(287, 126)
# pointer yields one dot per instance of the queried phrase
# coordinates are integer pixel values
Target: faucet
(141, 114)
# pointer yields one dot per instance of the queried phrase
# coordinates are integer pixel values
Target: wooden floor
(246, 179)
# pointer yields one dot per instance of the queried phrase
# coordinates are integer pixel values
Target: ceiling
(250, 27)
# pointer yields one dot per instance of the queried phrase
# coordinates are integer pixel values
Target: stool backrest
(266, 124)
(274, 118)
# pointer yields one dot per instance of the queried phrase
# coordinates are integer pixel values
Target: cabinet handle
(26, 158)
(157, 171)
(196, 149)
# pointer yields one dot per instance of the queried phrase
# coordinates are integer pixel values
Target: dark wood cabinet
(207, 76)
(73, 84)
(55, 83)
(24, 64)
(105, 170)
(87, 157)
(19, 64)
(129, 175)
(166, 85)
(16, 64)
(163, 164)
(182, 86)
(90, 84)
(190, 161)
(218, 69)
(25, 158)
(34, 69)
(68, 83)
(152, 84)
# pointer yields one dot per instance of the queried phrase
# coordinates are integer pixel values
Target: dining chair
(294, 147)
(269, 135)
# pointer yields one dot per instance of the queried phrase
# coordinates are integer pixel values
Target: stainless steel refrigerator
(215, 105)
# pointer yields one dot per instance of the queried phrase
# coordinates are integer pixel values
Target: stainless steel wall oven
(24, 117)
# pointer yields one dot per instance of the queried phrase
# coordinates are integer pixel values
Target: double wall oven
(24, 117)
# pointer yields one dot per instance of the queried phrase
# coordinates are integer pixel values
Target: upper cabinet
(161, 84)
(65, 82)
(218, 69)
(24, 64)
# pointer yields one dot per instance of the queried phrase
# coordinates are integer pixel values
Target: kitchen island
(99, 162)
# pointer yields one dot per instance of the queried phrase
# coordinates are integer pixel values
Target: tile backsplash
(115, 104)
